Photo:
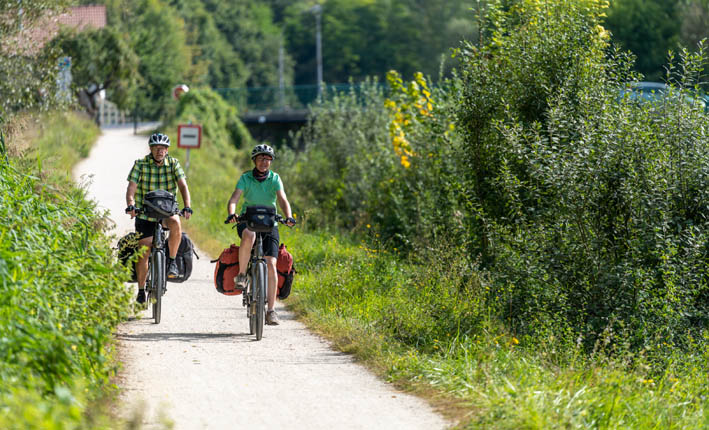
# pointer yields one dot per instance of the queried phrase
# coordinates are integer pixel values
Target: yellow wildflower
(405, 161)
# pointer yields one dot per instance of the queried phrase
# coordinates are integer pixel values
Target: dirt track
(200, 369)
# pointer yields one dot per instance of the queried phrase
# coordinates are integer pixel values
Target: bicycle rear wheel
(157, 276)
(259, 278)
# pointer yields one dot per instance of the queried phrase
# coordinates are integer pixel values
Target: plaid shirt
(149, 176)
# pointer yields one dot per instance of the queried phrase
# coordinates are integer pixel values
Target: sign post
(189, 136)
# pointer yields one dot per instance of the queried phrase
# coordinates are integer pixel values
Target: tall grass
(61, 291)
(410, 322)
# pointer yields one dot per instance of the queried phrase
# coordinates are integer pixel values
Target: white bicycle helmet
(262, 149)
(159, 139)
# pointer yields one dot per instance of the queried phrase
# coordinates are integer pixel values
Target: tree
(157, 36)
(648, 28)
(214, 61)
(695, 15)
(248, 27)
(369, 38)
(101, 60)
(28, 73)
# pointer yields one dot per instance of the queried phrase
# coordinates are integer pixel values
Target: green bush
(587, 209)
(220, 121)
(61, 296)
(588, 206)
(344, 156)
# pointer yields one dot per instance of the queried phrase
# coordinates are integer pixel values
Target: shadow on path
(182, 337)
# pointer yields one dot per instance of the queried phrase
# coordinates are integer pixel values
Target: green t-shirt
(259, 193)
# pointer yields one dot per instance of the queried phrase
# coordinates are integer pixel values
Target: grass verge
(61, 290)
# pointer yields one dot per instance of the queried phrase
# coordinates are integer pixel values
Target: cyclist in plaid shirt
(157, 171)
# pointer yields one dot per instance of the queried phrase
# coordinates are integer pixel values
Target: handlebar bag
(261, 219)
(160, 204)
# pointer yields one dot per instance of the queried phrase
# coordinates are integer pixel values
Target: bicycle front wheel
(157, 276)
(259, 278)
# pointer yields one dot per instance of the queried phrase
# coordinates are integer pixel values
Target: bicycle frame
(257, 284)
(254, 297)
(155, 285)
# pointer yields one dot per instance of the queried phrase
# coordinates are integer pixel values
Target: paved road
(199, 368)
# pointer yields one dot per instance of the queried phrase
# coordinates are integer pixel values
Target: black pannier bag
(261, 219)
(183, 259)
(160, 204)
(127, 246)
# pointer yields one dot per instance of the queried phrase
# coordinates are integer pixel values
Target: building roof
(33, 38)
(81, 17)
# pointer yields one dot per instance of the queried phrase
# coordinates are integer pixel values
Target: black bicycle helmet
(159, 139)
(262, 149)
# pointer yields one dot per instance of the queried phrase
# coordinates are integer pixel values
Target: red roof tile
(35, 37)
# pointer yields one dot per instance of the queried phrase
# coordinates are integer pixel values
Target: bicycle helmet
(262, 149)
(159, 139)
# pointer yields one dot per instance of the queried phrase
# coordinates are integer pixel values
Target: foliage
(17, 15)
(368, 38)
(347, 139)
(221, 126)
(158, 37)
(101, 61)
(28, 73)
(60, 139)
(587, 209)
(61, 295)
(647, 28)
(425, 328)
(248, 28)
(694, 14)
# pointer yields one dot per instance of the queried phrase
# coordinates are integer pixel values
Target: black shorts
(144, 227)
(270, 240)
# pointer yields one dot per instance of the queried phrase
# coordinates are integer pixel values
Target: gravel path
(199, 368)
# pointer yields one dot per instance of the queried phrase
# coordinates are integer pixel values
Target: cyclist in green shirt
(260, 186)
(156, 171)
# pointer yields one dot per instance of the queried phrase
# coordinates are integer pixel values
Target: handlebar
(139, 211)
(242, 219)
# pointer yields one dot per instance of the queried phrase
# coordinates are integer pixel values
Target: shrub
(61, 295)
(587, 206)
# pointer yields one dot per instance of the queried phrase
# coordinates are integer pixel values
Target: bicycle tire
(250, 309)
(158, 282)
(260, 278)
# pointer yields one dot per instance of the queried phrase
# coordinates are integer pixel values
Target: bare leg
(272, 282)
(173, 223)
(247, 242)
(141, 267)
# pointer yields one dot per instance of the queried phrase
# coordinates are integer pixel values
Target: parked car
(653, 92)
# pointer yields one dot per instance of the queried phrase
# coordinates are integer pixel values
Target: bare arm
(233, 200)
(130, 193)
(130, 196)
(283, 203)
(185, 191)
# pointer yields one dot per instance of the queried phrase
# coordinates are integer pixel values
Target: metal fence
(270, 99)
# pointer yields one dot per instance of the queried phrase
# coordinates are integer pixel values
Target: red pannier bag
(226, 270)
(286, 271)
